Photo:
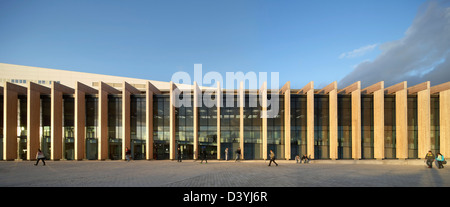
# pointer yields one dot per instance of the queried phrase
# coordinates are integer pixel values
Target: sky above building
(320, 41)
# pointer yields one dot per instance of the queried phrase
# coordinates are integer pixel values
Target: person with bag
(440, 160)
(40, 156)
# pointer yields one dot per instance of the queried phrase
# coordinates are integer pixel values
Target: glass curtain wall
(22, 127)
(68, 128)
(207, 132)
(138, 135)
(252, 128)
(412, 127)
(115, 127)
(435, 133)
(45, 125)
(184, 130)
(298, 125)
(275, 130)
(367, 123)
(321, 127)
(229, 125)
(91, 127)
(161, 127)
(389, 127)
(344, 127)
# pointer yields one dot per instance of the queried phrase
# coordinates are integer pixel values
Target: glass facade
(161, 127)
(115, 127)
(45, 129)
(68, 128)
(412, 127)
(184, 131)
(344, 126)
(137, 126)
(207, 132)
(22, 127)
(229, 125)
(275, 130)
(389, 127)
(321, 127)
(367, 123)
(434, 115)
(298, 125)
(91, 127)
(252, 128)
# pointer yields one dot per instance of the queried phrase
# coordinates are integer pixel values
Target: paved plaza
(218, 174)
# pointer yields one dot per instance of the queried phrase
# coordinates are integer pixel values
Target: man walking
(204, 156)
(272, 158)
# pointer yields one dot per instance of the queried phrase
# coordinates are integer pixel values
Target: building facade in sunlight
(83, 116)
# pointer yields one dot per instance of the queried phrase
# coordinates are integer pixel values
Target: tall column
(423, 116)
(356, 122)
(33, 121)
(149, 121)
(378, 117)
(126, 132)
(56, 123)
(401, 115)
(263, 94)
(102, 122)
(444, 119)
(333, 122)
(126, 116)
(218, 105)
(10, 109)
(310, 120)
(241, 118)
(196, 100)
(57, 113)
(104, 90)
(308, 89)
(172, 142)
(287, 120)
(79, 122)
(33, 118)
(150, 90)
(80, 119)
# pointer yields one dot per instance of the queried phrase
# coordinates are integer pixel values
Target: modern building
(83, 116)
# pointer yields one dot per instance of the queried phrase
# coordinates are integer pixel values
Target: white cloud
(423, 54)
(358, 52)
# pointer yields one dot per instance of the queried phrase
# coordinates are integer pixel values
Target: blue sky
(320, 41)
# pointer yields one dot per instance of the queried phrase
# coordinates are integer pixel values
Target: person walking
(226, 154)
(238, 154)
(204, 156)
(40, 156)
(429, 159)
(127, 154)
(440, 160)
(179, 154)
(272, 158)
